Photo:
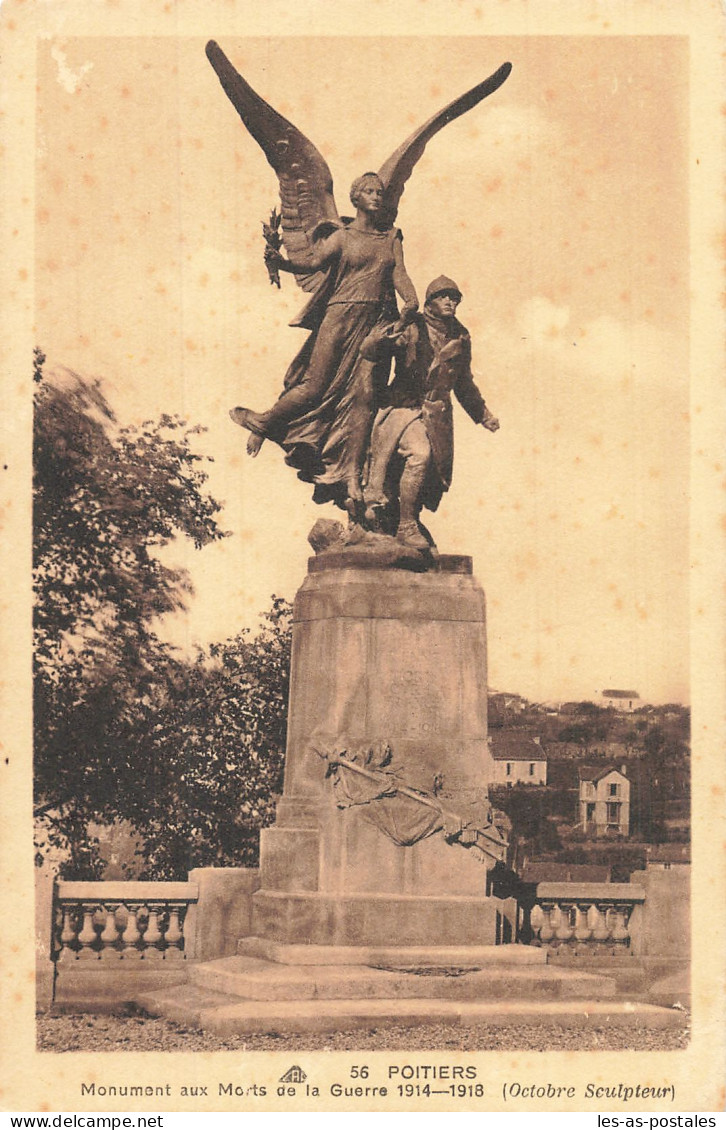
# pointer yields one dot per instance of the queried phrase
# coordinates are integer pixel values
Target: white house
(604, 800)
(518, 759)
(625, 701)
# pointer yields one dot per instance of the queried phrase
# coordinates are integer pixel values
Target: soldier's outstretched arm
(490, 421)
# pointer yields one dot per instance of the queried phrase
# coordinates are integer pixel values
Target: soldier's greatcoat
(433, 360)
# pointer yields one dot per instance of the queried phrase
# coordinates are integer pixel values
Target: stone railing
(129, 922)
(600, 917)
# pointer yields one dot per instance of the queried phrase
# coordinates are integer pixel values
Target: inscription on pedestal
(420, 704)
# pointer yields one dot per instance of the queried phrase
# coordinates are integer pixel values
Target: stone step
(257, 979)
(409, 956)
(184, 1005)
(209, 1012)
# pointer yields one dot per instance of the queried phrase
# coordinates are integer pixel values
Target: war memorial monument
(379, 896)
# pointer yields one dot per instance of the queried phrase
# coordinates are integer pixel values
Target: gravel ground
(141, 1034)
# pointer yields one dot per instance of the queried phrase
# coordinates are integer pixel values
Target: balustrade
(121, 921)
(586, 916)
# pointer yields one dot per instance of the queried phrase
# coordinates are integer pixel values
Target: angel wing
(306, 184)
(399, 166)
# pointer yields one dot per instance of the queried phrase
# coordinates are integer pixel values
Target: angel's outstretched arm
(402, 282)
(302, 262)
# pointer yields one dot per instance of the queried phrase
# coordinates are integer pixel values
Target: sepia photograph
(358, 459)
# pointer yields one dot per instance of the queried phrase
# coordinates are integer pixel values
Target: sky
(559, 205)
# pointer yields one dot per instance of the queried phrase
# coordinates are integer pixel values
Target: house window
(613, 815)
(509, 769)
(531, 768)
(589, 813)
(613, 790)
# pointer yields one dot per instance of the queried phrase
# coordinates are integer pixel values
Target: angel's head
(366, 192)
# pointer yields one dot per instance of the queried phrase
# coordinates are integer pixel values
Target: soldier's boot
(411, 485)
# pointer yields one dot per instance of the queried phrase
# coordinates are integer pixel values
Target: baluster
(547, 931)
(610, 921)
(564, 928)
(173, 935)
(110, 934)
(131, 935)
(619, 932)
(583, 930)
(68, 934)
(152, 934)
(600, 930)
(88, 933)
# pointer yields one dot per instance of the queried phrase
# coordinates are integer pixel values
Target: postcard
(362, 609)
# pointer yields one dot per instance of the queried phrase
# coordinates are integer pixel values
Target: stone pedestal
(380, 655)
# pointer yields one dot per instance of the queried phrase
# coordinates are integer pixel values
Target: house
(604, 800)
(504, 706)
(508, 700)
(625, 701)
(663, 857)
(518, 759)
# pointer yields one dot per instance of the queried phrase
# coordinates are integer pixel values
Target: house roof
(620, 694)
(572, 751)
(668, 853)
(508, 746)
(597, 772)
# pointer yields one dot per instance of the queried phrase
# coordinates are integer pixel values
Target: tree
(583, 733)
(213, 753)
(106, 500)
(532, 811)
(662, 788)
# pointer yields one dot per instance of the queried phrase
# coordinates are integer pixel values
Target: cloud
(497, 137)
(541, 320)
(576, 511)
(616, 352)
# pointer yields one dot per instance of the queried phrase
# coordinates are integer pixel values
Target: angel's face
(370, 196)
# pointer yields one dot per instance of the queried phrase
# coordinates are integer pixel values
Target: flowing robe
(357, 296)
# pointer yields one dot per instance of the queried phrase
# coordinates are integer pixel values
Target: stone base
(388, 656)
(234, 996)
(98, 986)
(214, 1012)
(383, 657)
(345, 854)
(256, 979)
(381, 919)
(391, 956)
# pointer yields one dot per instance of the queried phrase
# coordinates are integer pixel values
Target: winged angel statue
(352, 268)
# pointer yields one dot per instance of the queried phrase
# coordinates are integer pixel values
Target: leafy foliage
(532, 811)
(106, 499)
(584, 733)
(213, 753)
